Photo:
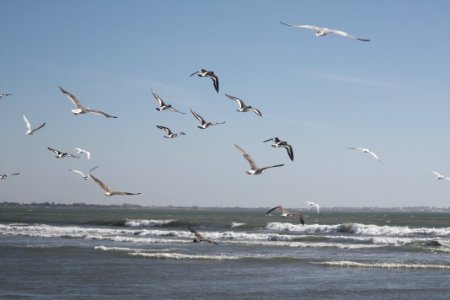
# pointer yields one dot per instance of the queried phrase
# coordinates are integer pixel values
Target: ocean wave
(237, 224)
(147, 223)
(165, 255)
(354, 264)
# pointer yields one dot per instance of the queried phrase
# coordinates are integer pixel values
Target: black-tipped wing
(196, 72)
(54, 150)
(167, 130)
(215, 80)
(101, 184)
(72, 98)
(198, 117)
(290, 151)
(160, 101)
(272, 209)
(269, 167)
(99, 112)
(236, 99)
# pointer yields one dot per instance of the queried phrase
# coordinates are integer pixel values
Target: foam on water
(165, 255)
(354, 264)
(147, 223)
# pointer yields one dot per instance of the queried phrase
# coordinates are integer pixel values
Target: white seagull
(199, 237)
(163, 105)
(4, 95)
(366, 150)
(169, 133)
(277, 143)
(322, 31)
(80, 109)
(108, 191)
(254, 170)
(243, 107)
(82, 151)
(317, 206)
(202, 121)
(210, 74)
(4, 176)
(85, 176)
(286, 214)
(30, 131)
(439, 176)
(60, 154)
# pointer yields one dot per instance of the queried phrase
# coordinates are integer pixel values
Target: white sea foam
(354, 264)
(237, 224)
(146, 223)
(165, 255)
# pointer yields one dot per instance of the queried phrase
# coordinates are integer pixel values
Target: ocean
(148, 253)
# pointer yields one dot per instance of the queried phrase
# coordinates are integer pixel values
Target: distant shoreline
(136, 206)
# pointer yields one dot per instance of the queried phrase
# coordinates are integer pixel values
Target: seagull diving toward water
(439, 176)
(287, 214)
(322, 31)
(169, 133)
(243, 107)
(85, 176)
(108, 191)
(210, 74)
(317, 206)
(202, 121)
(4, 176)
(163, 105)
(80, 109)
(366, 150)
(60, 154)
(254, 170)
(30, 131)
(199, 237)
(277, 143)
(82, 151)
(4, 95)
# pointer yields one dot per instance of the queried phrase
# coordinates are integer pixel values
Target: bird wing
(274, 208)
(274, 166)
(93, 169)
(310, 27)
(54, 150)
(39, 127)
(374, 155)
(437, 173)
(160, 101)
(236, 99)
(345, 34)
(167, 130)
(125, 193)
(72, 98)
(198, 117)
(78, 172)
(268, 140)
(176, 110)
(99, 112)
(289, 150)
(247, 156)
(27, 123)
(215, 80)
(256, 111)
(196, 72)
(101, 184)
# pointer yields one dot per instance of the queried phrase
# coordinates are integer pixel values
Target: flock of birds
(162, 106)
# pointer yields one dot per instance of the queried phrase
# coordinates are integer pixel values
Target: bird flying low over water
(243, 107)
(322, 31)
(287, 214)
(317, 206)
(439, 176)
(85, 176)
(4, 95)
(202, 121)
(60, 154)
(277, 143)
(4, 176)
(30, 131)
(163, 105)
(210, 74)
(80, 109)
(82, 151)
(169, 133)
(199, 237)
(368, 151)
(108, 191)
(254, 170)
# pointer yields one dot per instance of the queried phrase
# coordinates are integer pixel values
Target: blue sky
(320, 94)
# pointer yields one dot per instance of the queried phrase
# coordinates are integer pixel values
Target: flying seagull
(202, 121)
(80, 109)
(108, 191)
(163, 105)
(210, 74)
(199, 237)
(82, 151)
(322, 31)
(366, 150)
(277, 143)
(60, 154)
(4, 176)
(85, 176)
(287, 214)
(317, 206)
(243, 107)
(439, 176)
(169, 133)
(4, 95)
(30, 131)
(254, 170)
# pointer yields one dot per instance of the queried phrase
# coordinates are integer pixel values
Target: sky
(320, 94)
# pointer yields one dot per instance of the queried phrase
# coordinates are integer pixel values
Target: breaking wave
(354, 264)
(147, 223)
